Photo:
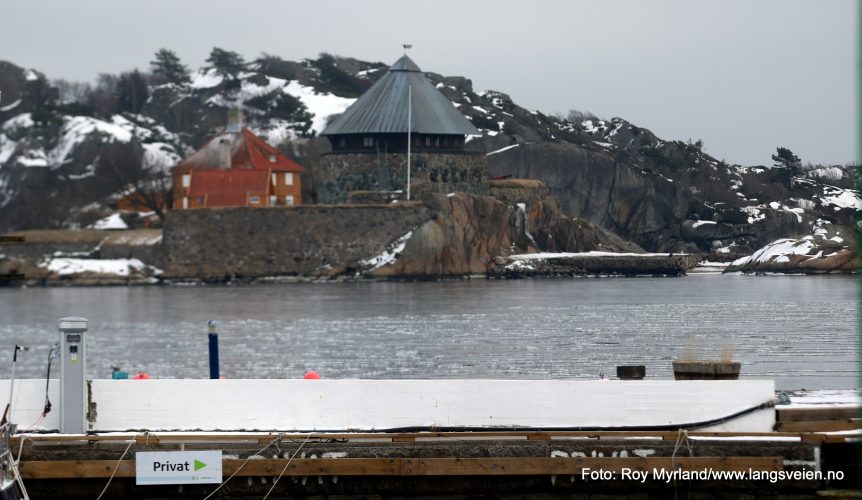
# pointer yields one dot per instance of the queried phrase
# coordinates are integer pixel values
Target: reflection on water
(799, 330)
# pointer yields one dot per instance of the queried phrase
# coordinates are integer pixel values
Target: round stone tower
(369, 157)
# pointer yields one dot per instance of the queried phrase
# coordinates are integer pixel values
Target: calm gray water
(799, 330)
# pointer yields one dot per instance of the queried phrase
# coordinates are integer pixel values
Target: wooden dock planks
(143, 438)
(65, 469)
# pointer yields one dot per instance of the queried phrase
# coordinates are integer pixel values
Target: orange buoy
(141, 376)
(311, 375)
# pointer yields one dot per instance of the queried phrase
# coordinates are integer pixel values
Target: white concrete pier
(380, 405)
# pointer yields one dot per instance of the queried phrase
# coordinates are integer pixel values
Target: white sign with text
(178, 467)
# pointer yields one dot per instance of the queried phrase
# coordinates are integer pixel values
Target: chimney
(224, 150)
(234, 120)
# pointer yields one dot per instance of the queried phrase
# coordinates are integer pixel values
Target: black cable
(666, 427)
(47, 408)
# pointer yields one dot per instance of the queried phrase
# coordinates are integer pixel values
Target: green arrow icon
(199, 465)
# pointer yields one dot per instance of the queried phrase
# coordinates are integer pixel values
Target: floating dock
(444, 438)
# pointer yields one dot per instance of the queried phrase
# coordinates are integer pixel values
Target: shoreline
(290, 280)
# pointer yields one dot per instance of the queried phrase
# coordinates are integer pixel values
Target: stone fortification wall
(323, 240)
(340, 174)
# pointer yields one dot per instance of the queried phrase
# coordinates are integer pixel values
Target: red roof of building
(247, 151)
(229, 187)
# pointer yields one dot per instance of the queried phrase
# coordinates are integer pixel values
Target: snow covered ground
(322, 106)
(113, 221)
(777, 252)
(709, 267)
(66, 266)
(822, 398)
(824, 250)
(389, 255)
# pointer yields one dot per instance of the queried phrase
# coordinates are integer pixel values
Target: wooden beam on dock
(817, 420)
(263, 438)
(847, 424)
(815, 414)
(65, 469)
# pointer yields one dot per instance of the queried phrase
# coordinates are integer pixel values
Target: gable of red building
(246, 151)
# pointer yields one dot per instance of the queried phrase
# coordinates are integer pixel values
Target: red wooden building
(236, 169)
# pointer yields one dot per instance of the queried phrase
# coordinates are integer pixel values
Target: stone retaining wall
(323, 240)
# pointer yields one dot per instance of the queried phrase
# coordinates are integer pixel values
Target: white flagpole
(409, 123)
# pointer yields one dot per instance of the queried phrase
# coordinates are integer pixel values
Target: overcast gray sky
(744, 76)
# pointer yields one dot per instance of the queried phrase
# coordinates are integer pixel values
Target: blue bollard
(213, 338)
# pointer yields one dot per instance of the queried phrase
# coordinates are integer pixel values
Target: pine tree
(784, 158)
(103, 97)
(167, 67)
(131, 92)
(227, 63)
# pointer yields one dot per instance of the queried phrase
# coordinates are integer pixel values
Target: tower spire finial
(406, 46)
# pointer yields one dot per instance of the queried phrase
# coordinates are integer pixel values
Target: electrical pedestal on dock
(73, 370)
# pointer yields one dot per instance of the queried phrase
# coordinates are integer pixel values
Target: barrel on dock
(706, 370)
(631, 372)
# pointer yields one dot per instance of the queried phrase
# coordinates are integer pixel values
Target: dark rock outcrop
(824, 252)
(602, 190)
(24, 90)
(88, 257)
(467, 234)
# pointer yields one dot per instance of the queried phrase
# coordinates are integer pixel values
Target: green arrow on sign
(199, 465)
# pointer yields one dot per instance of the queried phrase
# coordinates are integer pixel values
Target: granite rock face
(655, 202)
(821, 253)
(598, 188)
(469, 233)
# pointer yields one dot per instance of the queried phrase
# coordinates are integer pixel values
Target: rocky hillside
(64, 160)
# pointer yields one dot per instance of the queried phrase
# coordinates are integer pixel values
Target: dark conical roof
(383, 108)
(405, 64)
